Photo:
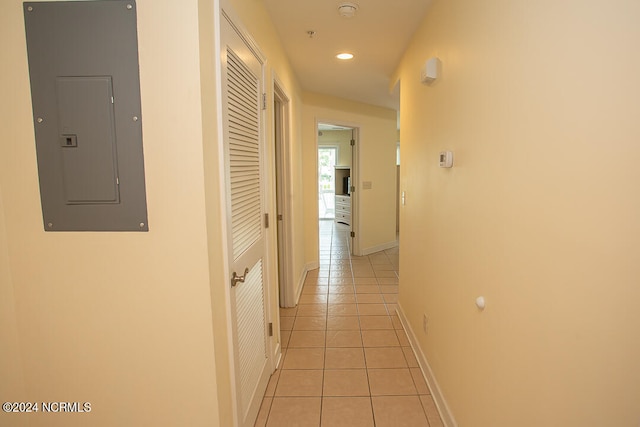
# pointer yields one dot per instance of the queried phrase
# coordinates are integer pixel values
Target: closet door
(242, 83)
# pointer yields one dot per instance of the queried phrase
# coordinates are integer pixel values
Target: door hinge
(353, 142)
(264, 101)
(353, 234)
(353, 188)
(270, 329)
(279, 217)
(266, 220)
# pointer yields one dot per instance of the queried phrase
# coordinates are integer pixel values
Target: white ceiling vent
(347, 10)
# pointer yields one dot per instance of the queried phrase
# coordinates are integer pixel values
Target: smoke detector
(347, 10)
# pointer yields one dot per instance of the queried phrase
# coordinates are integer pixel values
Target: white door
(242, 82)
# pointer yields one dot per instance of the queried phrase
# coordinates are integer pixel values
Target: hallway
(346, 359)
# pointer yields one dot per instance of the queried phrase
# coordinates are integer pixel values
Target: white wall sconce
(430, 70)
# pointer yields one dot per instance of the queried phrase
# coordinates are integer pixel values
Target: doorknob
(235, 278)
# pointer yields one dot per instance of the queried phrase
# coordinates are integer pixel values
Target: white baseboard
(301, 280)
(278, 355)
(379, 248)
(445, 413)
(308, 267)
(311, 266)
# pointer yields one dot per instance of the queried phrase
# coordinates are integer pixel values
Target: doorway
(283, 207)
(337, 177)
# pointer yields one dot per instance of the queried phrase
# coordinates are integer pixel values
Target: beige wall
(340, 139)
(121, 320)
(129, 322)
(539, 102)
(377, 164)
(12, 386)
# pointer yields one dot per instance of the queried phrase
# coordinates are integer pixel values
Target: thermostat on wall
(446, 159)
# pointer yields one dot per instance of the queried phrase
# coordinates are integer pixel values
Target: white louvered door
(242, 81)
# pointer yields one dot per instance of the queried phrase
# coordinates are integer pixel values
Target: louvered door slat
(244, 154)
(250, 209)
(242, 144)
(242, 109)
(239, 79)
(243, 195)
(241, 177)
(251, 340)
(240, 140)
(240, 125)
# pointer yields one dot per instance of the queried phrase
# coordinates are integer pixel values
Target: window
(327, 157)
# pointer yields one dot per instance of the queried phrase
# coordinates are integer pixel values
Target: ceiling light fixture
(347, 10)
(344, 56)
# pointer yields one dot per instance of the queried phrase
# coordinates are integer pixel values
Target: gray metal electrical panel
(85, 89)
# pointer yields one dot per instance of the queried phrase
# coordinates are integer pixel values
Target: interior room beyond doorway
(334, 153)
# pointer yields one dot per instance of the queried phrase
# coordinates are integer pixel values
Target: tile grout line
(364, 355)
(340, 269)
(326, 320)
(326, 326)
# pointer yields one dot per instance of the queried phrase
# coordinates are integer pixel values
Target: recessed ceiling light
(347, 10)
(344, 56)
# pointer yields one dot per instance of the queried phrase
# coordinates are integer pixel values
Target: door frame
(355, 175)
(284, 192)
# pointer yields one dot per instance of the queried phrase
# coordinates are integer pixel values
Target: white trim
(441, 404)
(314, 265)
(355, 172)
(301, 279)
(303, 276)
(232, 18)
(277, 355)
(379, 248)
(282, 97)
(217, 17)
(356, 218)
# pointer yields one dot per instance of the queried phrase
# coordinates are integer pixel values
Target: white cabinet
(343, 199)
(343, 209)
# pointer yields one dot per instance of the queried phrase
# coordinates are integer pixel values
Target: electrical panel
(85, 90)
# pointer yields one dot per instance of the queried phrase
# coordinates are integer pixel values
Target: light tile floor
(347, 360)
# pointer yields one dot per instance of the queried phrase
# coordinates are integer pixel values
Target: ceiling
(377, 36)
